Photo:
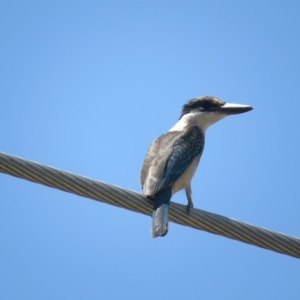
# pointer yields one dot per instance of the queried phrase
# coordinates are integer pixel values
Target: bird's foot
(189, 206)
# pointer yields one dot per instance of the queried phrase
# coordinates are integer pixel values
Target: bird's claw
(188, 207)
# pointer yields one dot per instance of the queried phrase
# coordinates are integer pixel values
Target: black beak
(232, 108)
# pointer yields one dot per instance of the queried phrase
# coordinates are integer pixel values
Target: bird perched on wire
(172, 159)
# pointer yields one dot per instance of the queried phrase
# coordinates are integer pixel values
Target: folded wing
(168, 157)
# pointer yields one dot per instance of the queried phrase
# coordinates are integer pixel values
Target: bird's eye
(207, 105)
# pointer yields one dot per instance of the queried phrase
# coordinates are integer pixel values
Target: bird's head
(206, 110)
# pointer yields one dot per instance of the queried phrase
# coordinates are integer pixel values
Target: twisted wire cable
(118, 196)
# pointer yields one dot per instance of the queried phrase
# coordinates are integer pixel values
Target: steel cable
(117, 196)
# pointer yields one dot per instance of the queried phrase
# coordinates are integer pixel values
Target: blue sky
(86, 86)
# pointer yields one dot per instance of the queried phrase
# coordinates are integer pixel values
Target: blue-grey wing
(155, 161)
(168, 157)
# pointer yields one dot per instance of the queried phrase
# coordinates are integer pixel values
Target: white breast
(185, 179)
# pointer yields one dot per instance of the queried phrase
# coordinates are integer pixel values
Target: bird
(172, 159)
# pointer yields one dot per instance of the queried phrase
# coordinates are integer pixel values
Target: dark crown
(201, 104)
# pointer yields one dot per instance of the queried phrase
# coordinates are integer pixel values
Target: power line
(117, 196)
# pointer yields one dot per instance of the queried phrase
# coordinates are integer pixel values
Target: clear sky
(85, 86)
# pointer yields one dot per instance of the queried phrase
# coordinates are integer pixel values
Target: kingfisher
(172, 158)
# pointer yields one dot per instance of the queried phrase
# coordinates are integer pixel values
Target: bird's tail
(160, 212)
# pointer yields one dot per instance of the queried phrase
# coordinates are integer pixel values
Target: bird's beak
(232, 108)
